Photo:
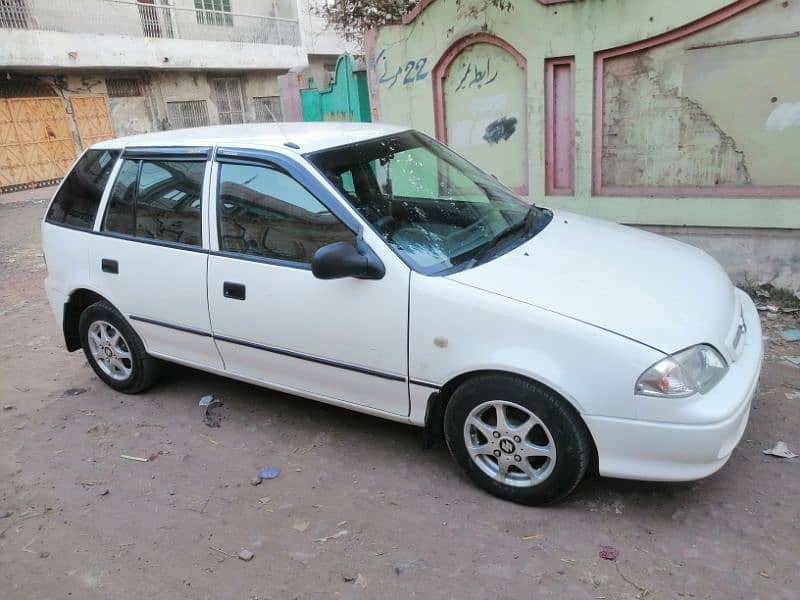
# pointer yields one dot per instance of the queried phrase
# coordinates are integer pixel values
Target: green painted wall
(346, 100)
(737, 83)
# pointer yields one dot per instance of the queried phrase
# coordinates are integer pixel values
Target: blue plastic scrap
(791, 335)
(269, 473)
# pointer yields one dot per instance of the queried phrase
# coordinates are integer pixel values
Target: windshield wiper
(522, 225)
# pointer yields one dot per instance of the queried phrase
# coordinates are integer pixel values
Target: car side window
(264, 212)
(77, 200)
(158, 200)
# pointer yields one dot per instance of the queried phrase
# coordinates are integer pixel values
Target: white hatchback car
(370, 267)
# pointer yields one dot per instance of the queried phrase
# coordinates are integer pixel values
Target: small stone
(255, 480)
(246, 555)
(348, 578)
(9, 407)
(105, 492)
(74, 391)
(44, 554)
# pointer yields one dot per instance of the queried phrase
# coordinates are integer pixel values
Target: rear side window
(76, 202)
(158, 200)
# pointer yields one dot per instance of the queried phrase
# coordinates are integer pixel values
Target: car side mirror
(345, 259)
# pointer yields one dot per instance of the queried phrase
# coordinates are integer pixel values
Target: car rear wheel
(517, 439)
(114, 350)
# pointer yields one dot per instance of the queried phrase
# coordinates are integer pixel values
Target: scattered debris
(341, 523)
(790, 311)
(245, 554)
(761, 293)
(301, 526)
(264, 500)
(221, 551)
(210, 439)
(335, 536)
(22, 388)
(255, 480)
(211, 418)
(764, 573)
(781, 450)
(791, 335)
(767, 307)
(793, 395)
(9, 407)
(795, 360)
(361, 581)
(269, 473)
(528, 538)
(349, 578)
(44, 554)
(74, 391)
(20, 426)
(608, 553)
(6, 514)
(136, 458)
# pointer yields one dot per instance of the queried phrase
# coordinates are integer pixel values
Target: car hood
(643, 286)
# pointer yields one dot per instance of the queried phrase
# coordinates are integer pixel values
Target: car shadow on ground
(246, 403)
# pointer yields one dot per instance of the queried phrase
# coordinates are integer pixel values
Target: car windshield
(439, 212)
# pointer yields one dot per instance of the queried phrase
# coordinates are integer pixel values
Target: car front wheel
(517, 439)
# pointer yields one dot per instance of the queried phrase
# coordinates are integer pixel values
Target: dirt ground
(360, 510)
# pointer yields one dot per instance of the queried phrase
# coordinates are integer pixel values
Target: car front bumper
(664, 451)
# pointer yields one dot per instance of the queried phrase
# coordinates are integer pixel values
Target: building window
(228, 97)
(559, 126)
(14, 14)
(214, 12)
(127, 87)
(192, 113)
(268, 109)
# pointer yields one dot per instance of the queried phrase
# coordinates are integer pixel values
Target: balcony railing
(149, 19)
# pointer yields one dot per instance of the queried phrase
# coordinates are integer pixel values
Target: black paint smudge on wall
(500, 129)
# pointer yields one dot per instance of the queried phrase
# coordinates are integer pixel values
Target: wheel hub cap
(509, 443)
(110, 350)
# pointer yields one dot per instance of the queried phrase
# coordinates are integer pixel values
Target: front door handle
(109, 266)
(234, 291)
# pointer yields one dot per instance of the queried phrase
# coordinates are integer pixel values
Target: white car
(370, 267)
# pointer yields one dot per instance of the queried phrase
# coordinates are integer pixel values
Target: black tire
(143, 367)
(571, 439)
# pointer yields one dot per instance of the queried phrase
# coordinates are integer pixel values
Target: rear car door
(150, 258)
(341, 340)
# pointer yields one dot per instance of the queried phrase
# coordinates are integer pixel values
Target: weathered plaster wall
(584, 28)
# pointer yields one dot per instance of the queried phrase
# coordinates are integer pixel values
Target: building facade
(73, 72)
(680, 116)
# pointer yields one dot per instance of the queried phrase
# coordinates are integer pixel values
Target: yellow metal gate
(92, 119)
(35, 141)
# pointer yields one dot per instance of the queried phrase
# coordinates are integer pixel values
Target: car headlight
(694, 370)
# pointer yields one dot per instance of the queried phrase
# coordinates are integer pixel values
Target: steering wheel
(463, 234)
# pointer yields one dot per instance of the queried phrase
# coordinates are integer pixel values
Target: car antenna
(287, 143)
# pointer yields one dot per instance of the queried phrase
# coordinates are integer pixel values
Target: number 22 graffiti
(414, 71)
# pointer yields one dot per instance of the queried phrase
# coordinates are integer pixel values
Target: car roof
(310, 137)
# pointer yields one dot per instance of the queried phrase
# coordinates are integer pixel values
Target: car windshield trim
(435, 210)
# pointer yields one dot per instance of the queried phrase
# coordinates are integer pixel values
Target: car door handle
(109, 266)
(234, 291)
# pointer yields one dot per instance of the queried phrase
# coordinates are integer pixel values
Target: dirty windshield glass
(438, 211)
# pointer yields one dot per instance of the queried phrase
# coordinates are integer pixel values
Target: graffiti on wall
(484, 107)
(412, 71)
(474, 76)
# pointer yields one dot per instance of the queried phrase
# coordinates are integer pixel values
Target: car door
(150, 259)
(341, 340)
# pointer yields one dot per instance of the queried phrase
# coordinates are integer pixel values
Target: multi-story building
(73, 72)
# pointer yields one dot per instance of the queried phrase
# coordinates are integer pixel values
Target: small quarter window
(264, 212)
(76, 202)
(158, 200)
